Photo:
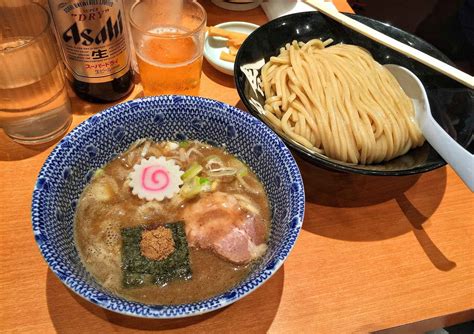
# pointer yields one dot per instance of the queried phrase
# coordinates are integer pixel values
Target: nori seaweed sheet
(138, 270)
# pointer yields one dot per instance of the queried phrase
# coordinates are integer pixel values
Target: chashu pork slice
(217, 222)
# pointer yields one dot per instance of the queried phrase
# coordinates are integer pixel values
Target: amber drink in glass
(169, 40)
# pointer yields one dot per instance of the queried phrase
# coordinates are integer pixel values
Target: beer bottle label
(94, 38)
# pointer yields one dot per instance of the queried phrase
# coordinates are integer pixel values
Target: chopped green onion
(184, 144)
(98, 172)
(190, 189)
(205, 184)
(243, 171)
(203, 180)
(192, 171)
(195, 186)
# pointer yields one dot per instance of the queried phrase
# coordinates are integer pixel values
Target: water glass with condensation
(169, 41)
(34, 104)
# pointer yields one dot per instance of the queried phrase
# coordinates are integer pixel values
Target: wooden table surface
(375, 252)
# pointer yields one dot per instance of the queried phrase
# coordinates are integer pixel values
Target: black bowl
(451, 103)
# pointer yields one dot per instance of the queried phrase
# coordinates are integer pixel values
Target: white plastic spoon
(458, 157)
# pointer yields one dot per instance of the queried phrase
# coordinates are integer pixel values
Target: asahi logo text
(87, 36)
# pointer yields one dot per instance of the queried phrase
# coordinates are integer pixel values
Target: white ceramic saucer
(213, 46)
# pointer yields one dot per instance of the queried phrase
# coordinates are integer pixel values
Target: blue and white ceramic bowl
(97, 140)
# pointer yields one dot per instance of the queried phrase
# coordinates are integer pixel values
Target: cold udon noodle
(338, 101)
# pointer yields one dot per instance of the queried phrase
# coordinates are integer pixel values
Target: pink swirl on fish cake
(155, 178)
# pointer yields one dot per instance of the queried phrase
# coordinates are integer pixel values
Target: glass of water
(34, 105)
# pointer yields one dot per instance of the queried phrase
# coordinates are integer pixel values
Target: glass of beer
(34, 104)
(169, 40)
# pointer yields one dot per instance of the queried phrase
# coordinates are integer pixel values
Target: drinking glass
(34, 105)
(169, 40)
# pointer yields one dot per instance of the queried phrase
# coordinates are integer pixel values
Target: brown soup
(231, 210)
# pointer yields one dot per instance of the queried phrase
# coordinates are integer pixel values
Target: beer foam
(167, 30)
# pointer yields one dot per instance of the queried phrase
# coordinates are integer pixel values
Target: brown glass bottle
(104, 92)
(95, 45)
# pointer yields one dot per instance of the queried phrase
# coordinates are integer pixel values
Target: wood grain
(374, 253)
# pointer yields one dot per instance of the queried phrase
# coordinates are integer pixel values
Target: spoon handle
(435, 64)
(454, 154)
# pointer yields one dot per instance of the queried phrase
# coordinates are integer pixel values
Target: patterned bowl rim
(215, 302)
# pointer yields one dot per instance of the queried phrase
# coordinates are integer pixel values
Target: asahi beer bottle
(95, 45)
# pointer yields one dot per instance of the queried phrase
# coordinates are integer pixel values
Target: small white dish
(213, 46)
(237, 5)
